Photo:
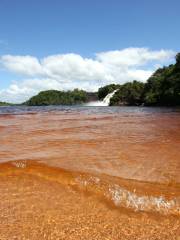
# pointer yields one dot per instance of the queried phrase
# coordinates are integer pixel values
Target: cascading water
(107, 99)
(105, 102)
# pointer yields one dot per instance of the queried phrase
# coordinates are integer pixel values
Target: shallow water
(132, 143)
(126, 157)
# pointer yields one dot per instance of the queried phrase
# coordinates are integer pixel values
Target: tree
(130, 93)
(163, 87)
(178, 60)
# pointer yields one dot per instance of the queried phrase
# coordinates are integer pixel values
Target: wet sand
(37, 202)
(90, 176)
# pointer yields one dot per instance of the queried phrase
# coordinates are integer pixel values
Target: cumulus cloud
(25, 65)
(68, 71)
(133, 56)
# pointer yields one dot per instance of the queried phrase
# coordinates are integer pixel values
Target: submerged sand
(37, 202)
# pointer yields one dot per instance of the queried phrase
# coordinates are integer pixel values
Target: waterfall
(107, 99)
(105, 102)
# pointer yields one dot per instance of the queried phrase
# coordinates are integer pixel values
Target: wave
(122, 197)
(120, 193)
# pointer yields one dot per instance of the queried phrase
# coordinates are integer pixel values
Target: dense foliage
(130, 93)
(54, 97)
(161, 89)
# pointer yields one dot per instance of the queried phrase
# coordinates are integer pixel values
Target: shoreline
(132, 194)
(41, 202)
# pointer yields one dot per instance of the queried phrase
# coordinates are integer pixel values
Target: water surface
(129, 142)
(89, 172)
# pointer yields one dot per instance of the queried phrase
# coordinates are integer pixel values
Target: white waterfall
(105, 102)
(107, 99)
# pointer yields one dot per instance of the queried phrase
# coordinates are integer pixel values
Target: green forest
(55, 97)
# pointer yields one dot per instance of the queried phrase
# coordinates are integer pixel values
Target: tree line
(55, 97)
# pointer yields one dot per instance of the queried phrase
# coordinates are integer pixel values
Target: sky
(66, 44)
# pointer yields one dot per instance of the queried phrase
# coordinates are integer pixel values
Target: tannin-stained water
(141, 145)
(126, 157)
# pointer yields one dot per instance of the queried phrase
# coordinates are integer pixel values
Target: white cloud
(25, 65)
(68, 71)
(134, 56)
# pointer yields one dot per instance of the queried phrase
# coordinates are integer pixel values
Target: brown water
(89, 173)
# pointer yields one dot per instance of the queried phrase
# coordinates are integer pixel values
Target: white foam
(20, 164)
(125, 198)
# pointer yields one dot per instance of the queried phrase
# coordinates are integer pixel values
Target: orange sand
(36, 206)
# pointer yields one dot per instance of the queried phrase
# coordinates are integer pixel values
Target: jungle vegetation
(55, 97)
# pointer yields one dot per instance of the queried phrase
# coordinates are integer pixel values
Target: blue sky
(41, 29)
